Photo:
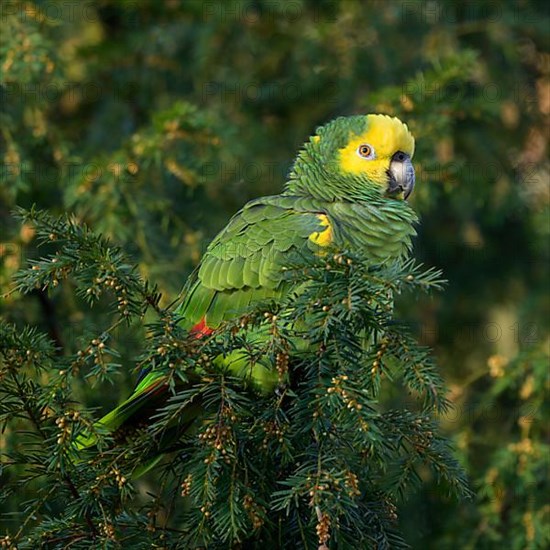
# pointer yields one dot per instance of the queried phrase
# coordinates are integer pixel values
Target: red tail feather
(201, 329)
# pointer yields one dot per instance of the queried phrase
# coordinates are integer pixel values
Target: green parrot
(347, 191)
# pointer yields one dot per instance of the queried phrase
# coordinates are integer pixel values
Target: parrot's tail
(150, 394)
(148, 398)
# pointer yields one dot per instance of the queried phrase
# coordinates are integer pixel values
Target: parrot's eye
(365, 151)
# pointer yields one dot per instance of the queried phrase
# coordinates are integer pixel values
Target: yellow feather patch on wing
(322, 238)
(386, 135)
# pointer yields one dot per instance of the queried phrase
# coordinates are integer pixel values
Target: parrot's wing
(242, 266)
(245, 263)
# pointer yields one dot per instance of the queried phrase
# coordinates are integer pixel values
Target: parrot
(347, 191)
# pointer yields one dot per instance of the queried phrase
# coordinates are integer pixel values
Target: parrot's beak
(401, 175)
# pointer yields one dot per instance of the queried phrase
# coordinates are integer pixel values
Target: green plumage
(244, 265)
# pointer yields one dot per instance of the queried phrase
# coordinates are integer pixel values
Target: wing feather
(244, 264)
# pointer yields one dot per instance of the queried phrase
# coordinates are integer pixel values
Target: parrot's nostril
(400, 156)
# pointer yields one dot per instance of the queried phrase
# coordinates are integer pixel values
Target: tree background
(154, 121)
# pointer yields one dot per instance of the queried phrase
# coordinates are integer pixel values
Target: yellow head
(371, 152)
(359, 157)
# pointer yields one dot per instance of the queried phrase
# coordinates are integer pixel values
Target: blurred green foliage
(154, 121)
